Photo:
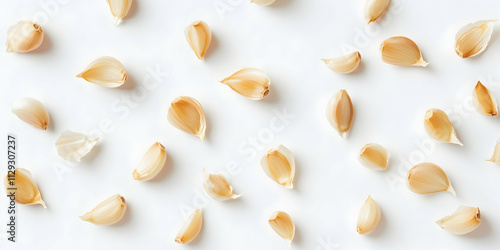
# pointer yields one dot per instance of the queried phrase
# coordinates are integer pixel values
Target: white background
(287, 41)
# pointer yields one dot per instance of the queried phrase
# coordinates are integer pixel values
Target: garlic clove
(402, 51)
(438, 126)
(427, 178)
(374, 9)
(107, 212)
(473, 38)
(263, 2)
(32, 112)
(24, 36)
(279, 165)
(374, 156)
(283, 225)
(484, 102)
(249, 82)
(198, 36)
(119, 9)
(340, 112)
(464, 220)
(22, 184)
(191, 228)
(368, 217)
(217, 186)
(105, 71)
(344, 64)
(72, 146)
(496, 154)
(151, 163)
(186, 114)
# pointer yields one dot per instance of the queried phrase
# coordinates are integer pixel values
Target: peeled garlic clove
(374, 156)
(107, 212)
(151, 163)
(473, 38)
(186, 114)
(198, 36)
(119, 9)
(22, 184)
(340, 112)
(32, 112)
(344, 64)
(279, 165)
(191, 228)
(374, 9)
(105, 71)
(368, 217)
(438, 126)
(249, 82)
(217, 186)
(464, 220)
(427, 178)
(283, 225)
(24, 36)
(484, 102)
(496, 154)
(262, 2)
(72, 146)
(401, 51)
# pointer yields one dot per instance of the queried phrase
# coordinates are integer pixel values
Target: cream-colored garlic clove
(32, 112)
(496, 154)
(340, 112)
(107, 212)
(374, 9)
(283, 225)
(151, 163)
(374, 156)
(198, 36)
(24, 36)
(473, 38)
(344, 64)
(21, 183)
(368, 217)
(428, 178)
(72, 146)
(186, 114)
(191, 228)
(402, 51)
(217, 186)
(105, 71)
(438, 126)
(279, 165)
(249, 82)
(119, 9)
(484, 102)
(464, 220)
(263, 2)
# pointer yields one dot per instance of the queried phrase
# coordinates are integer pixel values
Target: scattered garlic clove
(374, 9)
(198, 36)
(279, 165)
(374, 156)
(249, 82)
(119, 9)
(484, 102)
(25, 188)
(368, 217)
(186, 114)
(496, 154)
(438, 126)
(105, 71)
(344, 64)
(24, 36)
(262, 2)
(464, 220)
(107, 212)
(401, 51)
(340, 112)
(473, 38)
(32, 112)
(428, 178)
(283, 225)
(191, 228)
(217, 187)
(151, 163)
(72, 146)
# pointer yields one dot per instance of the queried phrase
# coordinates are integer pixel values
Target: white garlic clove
(473, 38)
(72, 146)
(105, 71)
(438, 126)
(217, 186)
(464, 220)
(279, 165)
(191, 228)
(32, 112)
(340, 112)
(283, 225)
(119, 9)
(401, 51)
(24, 36)
(428, 178)
(107, 212)
(368, 217)
(496, 154)
(344, 64)
(484, 102)
(374, 9)
(199, 37)
(249, 82)
(262, 2)
(24, 187)
(374, 156)
(151, 163)
(186, 114)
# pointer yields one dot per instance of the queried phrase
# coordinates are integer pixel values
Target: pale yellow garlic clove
(249, 82)
(344, 64)
(484, 102)
(105, 71)
(496, 154)
(151, 163)
(427, 178)
(340, 112)
(107, 212)
(473, 38)
(217, 186)
(401, 51)
(32, 112)
(464, 220)
(21, 183)
(186, 114)
(198, 36)
(368, 217)
(262, 2)
(374, 9)
(119, 9)
(24, 36)
(374, 156)
(191, 228)
(279, 165)
(72, 146)
(438, 126)
(283, 225)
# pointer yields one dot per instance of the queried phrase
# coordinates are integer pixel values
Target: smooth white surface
(287, 41)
